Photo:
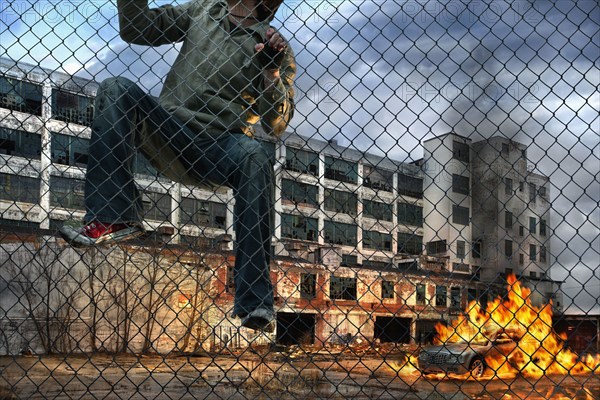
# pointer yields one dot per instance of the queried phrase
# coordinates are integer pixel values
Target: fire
(540, 350)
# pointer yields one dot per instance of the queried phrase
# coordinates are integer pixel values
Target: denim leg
(246, 167)
(253, 223)
(127, 119)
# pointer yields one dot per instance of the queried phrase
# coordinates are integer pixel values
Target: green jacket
(216, 83)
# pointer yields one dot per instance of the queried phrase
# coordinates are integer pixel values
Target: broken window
(532, 225)
(308, 286)
(508, 220)
(542, 227)
(377, 210)
(477, 249)
(299, 227)
(508, 186)
(67, 193)
(437, 247)
(202, 213)
(340, 233)
(441, 296)
(508, 248)
(455, 295)
(349, 259)
(378, 179)
(19, 188)
(460, 184)
(542, 254)
(341, 202)
(302, 161)
(420, 294)
(410, 186)
(299, 193)
(157, 206)
(19, 95)
(471, 294)
(72, 107)
(14, 142)
(532, 252)
(377, 240)
(410, 214)
(532, 192)
(342, 288)
(460, 215)
(460, 249)
(460, 151)
(341, 170)
(387, 289)
(409, 243)
(69, 150)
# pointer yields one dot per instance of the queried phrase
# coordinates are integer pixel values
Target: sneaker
(98, 233)
(260, 320)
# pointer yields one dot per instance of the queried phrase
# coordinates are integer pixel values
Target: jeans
(128, 120)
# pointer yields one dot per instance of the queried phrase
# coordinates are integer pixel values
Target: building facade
(412, 243)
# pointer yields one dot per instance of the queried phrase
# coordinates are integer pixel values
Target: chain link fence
(379, 199)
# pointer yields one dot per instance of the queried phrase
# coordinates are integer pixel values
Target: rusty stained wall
(338, 320)
(178, 300)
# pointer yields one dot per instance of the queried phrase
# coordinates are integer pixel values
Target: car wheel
(477, 368)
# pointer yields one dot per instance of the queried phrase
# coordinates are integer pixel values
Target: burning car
(508, 336)
(467, 357)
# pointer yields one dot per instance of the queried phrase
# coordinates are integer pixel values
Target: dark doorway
(295, 328)
(392, 329)
(425, 332)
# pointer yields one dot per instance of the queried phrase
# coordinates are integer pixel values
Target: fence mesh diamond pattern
(299, 199)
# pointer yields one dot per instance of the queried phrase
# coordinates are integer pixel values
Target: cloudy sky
(382, 76)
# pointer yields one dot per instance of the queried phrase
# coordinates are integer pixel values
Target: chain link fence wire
(408, 189)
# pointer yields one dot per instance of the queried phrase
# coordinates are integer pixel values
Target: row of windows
(18, 95)
(347, 202)
(69, 193)
(510, 248)
(306, 228)
(74, 151)
(440, 247)
(345, 288)
(534, 190)
(70, 107)
(535, 225)
(345, 171)
(64, 149)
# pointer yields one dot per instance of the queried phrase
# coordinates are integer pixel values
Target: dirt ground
(254, 376)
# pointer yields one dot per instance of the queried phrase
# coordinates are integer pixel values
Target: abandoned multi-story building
(365, 246)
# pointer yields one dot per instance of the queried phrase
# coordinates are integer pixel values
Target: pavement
(104, 376)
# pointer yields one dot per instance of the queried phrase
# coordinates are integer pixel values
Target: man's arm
(140, 24)
(276, 105)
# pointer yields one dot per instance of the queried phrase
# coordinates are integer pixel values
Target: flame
(540, 350)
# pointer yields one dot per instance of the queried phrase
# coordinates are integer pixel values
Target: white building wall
(439, 198)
